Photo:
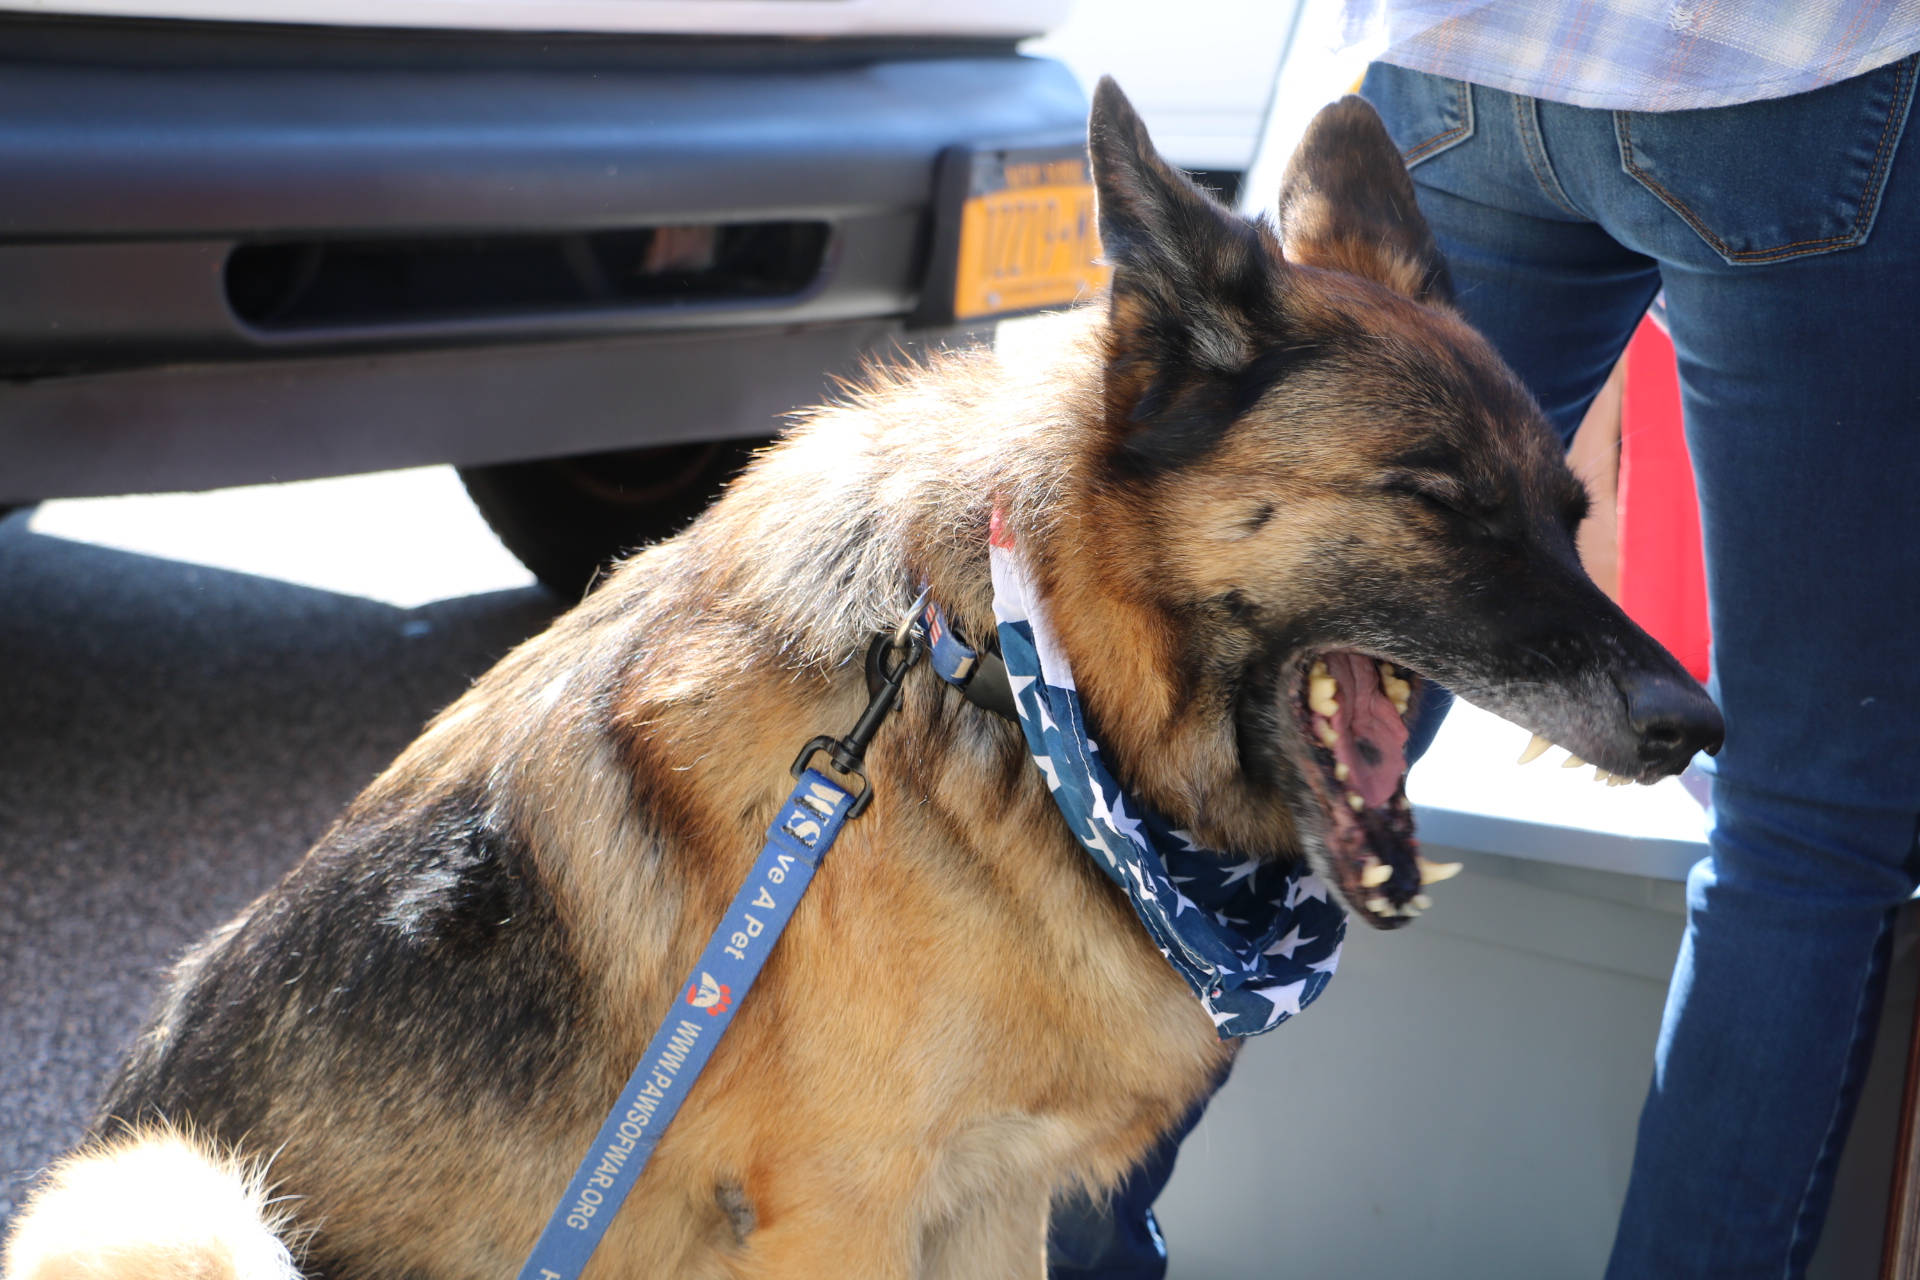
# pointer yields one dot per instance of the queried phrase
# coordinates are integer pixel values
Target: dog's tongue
(1373, 737)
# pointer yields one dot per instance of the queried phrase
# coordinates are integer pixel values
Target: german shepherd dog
(1267, 459)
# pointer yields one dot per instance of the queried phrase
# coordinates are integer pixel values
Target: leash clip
(847, 755)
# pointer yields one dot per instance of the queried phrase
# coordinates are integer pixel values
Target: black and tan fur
(1244, 455)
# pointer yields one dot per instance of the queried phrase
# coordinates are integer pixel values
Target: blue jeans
(1787, 237)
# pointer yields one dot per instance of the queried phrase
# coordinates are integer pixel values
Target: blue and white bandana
(1255, 942)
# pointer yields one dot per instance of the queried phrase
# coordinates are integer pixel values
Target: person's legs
(1802, 398)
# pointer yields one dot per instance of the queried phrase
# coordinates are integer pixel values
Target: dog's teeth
(1319, 667)
(1398, 691)
(1376, 875)
(1329, 736)
(1434, 872)
(1354, 802)
(1323, 693)
(1535, 749)
(1340, 772)
(1617, 781)
(1421, 901)
(1380, 906)
(1601, 775)
(1409, 910)
(1572, 762)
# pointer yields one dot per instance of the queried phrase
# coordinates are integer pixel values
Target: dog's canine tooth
(1572, 762)
(1434, 872)
(1601, 775)
(1535, 749)
(1376, 875)
(1355, 802)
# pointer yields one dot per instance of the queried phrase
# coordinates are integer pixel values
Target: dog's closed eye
(1447, 498)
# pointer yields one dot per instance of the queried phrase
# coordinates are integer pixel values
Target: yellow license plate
(1028, 237)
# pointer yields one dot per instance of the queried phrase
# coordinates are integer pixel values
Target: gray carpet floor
(172, 738)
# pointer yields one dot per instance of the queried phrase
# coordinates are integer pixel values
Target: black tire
(567, 519)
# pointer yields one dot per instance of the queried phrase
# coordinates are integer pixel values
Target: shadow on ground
(172, 738)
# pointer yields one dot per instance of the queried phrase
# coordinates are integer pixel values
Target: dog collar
(980, 677)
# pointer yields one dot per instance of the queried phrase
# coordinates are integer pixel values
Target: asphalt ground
(173, 737)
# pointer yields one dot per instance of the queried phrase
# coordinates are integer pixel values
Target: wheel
(566, 519)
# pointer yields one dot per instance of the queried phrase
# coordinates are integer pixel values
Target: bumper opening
(293, 285)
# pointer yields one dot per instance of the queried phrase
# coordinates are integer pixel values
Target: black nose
(1673, 716)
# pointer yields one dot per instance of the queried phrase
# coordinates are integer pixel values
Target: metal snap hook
(911, 618)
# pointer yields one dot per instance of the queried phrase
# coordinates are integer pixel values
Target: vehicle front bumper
(139, 156)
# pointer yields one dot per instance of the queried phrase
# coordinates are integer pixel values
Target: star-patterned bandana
(1256, 942)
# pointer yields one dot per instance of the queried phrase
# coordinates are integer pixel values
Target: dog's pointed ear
(1179, 258)
(1347, 203)
(1196, 289)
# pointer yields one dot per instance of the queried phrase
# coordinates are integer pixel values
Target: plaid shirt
(1641, 55)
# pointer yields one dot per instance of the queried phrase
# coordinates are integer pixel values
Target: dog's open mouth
(1353, 709)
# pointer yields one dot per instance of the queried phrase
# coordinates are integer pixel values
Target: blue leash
(799, 838)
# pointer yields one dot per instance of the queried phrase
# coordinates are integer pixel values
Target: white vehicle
(587, 250)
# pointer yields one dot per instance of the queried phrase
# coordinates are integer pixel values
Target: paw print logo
(714, 997)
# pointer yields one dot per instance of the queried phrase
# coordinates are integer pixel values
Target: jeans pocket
(1765, 181)
(1425, 114)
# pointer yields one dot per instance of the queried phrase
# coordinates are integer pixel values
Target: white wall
(1453, 1108)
